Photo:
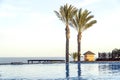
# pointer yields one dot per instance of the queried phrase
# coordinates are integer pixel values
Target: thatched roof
(89, 52)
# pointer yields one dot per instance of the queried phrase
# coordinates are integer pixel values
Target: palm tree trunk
(67, 43)
(67, 50)
(79, 45)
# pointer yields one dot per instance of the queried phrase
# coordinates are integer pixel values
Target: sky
(30, 28)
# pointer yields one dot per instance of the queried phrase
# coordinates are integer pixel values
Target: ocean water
(88, 71)
(25, 59)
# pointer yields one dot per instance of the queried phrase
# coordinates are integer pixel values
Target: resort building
(89, 56)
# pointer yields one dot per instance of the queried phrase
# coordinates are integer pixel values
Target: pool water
(89, 71)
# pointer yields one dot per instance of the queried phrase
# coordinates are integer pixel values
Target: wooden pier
(35, 61)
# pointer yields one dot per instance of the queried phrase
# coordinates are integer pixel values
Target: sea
(7, 60)
(57, 71)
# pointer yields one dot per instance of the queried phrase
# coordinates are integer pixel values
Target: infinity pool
(89, 71)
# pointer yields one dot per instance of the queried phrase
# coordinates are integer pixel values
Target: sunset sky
(30, 28)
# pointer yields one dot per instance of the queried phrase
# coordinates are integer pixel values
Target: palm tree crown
(66, 13)
(81, 21)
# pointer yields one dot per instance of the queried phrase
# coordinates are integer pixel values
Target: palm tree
(66, 14)
(74, 55)
(81, 22)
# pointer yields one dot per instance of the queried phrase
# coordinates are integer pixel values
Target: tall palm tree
(81, 22)
(66, 14)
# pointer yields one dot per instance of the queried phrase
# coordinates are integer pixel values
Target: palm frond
(81, 21)
(79, 13)
(90, 24)
(73, 24)
(84, 14)
(89, 18)
(58, 15)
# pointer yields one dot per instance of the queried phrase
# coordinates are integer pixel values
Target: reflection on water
(98, 71)
(114, 67)
(71, 71)
(79, 69)
(67, 70)
(109, 69)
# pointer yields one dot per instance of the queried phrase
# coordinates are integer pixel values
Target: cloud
(11, 8)
(7, 14)
(86, 2)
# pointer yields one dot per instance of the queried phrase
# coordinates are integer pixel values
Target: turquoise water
(89, 71)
